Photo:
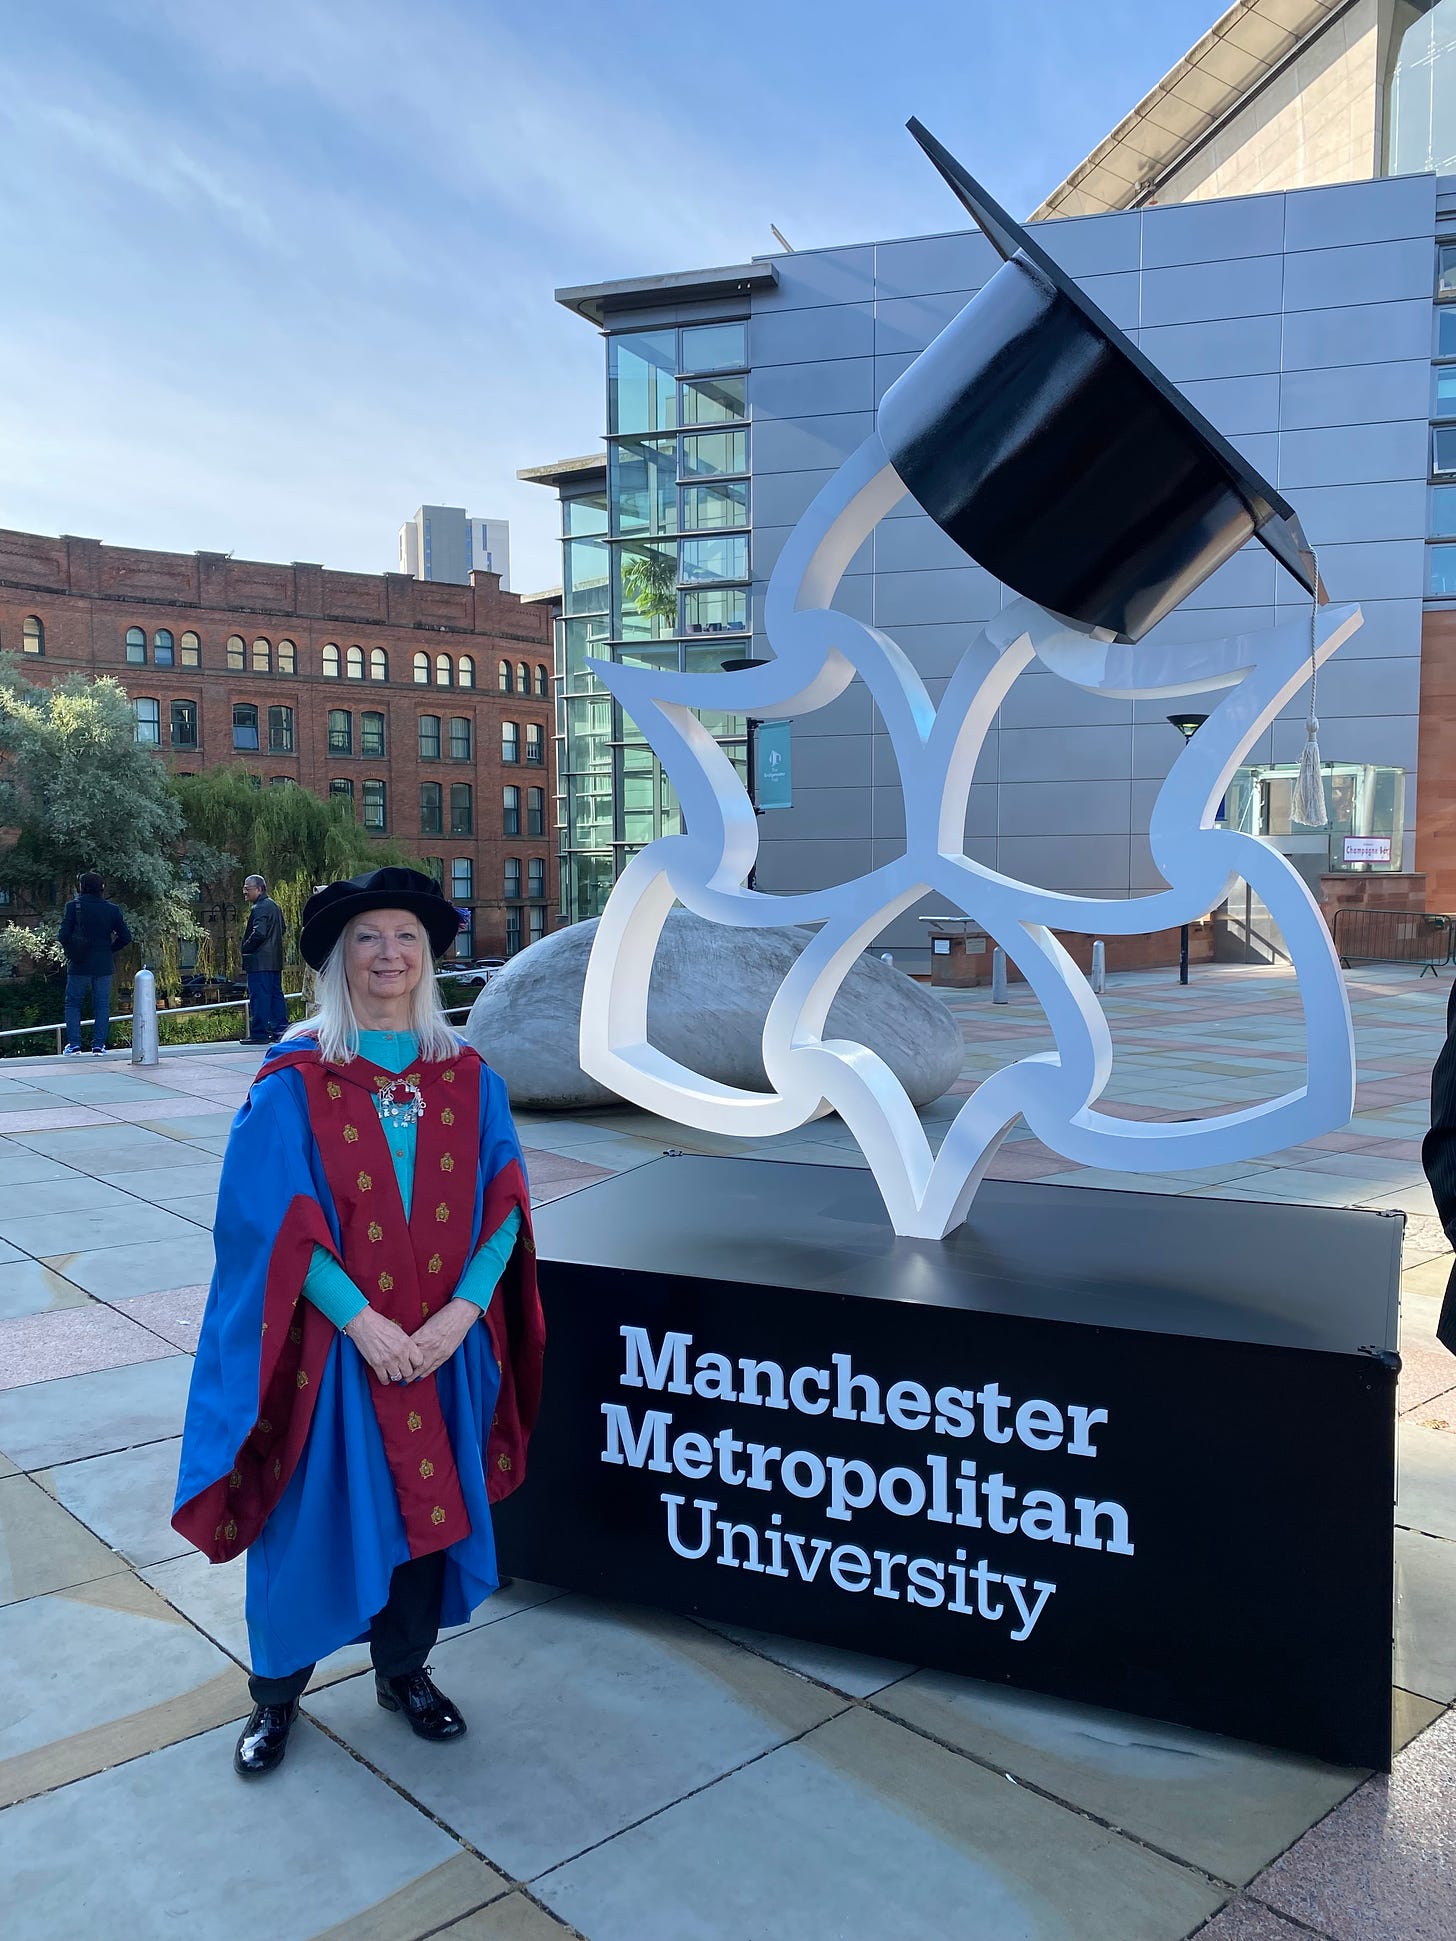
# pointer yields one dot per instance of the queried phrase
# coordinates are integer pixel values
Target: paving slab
(85, 1415)
(201, 1212)
(609, 1715)
(163, 1184)
(174, 1847)
(1425, 1599)
(26, 1287)
(863, 1827)
(1382, 1867)
(1246, 1920)
(125, 1498)
(1217, 1803)
(121, 1222)
(42, 1548)
(106, 1146)
(174, 1313)
(854, 1672)
(19, 1165)
(114, 1273)
(516, 1918)
(70, 1192)
(1427, 1479)
(213, 1597)
(72, 1341)
(99, 1675)
(435, 1898)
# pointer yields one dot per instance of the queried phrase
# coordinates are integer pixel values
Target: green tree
(649, 580)
(82, 793)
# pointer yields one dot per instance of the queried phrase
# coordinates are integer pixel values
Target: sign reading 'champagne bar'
(1117, 1447)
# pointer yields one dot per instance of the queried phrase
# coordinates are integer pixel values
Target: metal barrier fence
(1395, 937)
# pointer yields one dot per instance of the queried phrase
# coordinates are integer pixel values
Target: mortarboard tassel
(1308, 805)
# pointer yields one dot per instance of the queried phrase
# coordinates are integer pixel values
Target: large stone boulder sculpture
(711, 990)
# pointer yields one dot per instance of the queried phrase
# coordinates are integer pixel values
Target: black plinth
(1131, 1449)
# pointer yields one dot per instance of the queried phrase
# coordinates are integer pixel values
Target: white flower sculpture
(818, 652)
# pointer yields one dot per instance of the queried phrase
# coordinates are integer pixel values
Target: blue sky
(276, 271)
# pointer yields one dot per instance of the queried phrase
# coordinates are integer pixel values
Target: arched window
(523, 678)
(354, 663)
(136, 646)
(32, 636)
(287, 657)
(148, 717)
(444, 671)
(245, 725)
(191, 650)
(510, 811)
(543, 681)
(467, 671)
(503, 678)
(331, 661)
(280, 731)
(236, 652)
(422, 670)
(378, 664)
(510, 741)
(164, 648)
(262, 656)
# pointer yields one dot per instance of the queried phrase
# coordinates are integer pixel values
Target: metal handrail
(190, 1010)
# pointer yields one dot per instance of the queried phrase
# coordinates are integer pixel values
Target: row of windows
(374, 801)
(147, 712)
(535, 878)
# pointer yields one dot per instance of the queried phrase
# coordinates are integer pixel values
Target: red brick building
(427, 705)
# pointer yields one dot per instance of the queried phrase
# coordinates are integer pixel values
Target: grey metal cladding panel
(1388, 739)
(817, 862)
(768, 543)
(1381, 272)
(1221, 347)
(850, 713)
(1236, 404)
(1246, 580)
(1064, 754)
(909, 323)
(1092, 808)
(1339, 514)
(779, 498)
(961, 593)
(1118, 297)
(1040, 699)
(1389, 569)
(1155, 746)
(1208, 623)
(1094, 245)
(982, 808)
(1209, 232)
(1350, 394)
(1360, 212)
(1359, 333)
(843, 812)
(813, 277)
(1354, 454)
(1261, 448)
(1144, 877)
(936, 649)
(923, 265)
(811, 390)
(915, 546)
(889, 366)
(809, 444)
(1366, 688)
(1243, 286)
(778, 336)
(1081, 865)
(1391, 630)
(830, 761)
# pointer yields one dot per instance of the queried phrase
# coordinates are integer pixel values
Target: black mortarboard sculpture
(1041, 440)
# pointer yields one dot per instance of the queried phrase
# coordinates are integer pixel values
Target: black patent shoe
(431, 1715)
(264, 1739)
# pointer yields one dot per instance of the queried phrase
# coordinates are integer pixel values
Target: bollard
(998, 976)
(144, 1047)
(1099, 967)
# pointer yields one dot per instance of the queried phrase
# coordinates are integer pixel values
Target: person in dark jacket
(92, 931)
(1438, 1156)
(263, 965)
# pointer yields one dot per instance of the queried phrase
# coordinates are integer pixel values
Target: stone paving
(632, 1776)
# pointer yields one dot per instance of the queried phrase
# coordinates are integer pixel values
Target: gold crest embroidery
(424, 1310)
(303, 1378)
(447, 1164)
(376, 1232)
(413, 1422)
(336, 1091)
(386, 1282)
(265, 1327)
(351, 1133)
(230, 1529)
(435, 1263)
(447, 1117)
(447, 1077)
(442, 1213)
(364, 1182)
(235, 1481)
(427, 1468)
(265, 1427)
(502, 1462)
(295, 1334)
(437, 1515)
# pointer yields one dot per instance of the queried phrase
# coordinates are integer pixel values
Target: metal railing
(1395, 937)
(192, 1010)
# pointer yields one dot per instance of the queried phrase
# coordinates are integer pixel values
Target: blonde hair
(335, 1026)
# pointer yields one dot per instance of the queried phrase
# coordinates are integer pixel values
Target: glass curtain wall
(656, 574)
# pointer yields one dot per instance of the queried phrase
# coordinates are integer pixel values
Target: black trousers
(401, 1636)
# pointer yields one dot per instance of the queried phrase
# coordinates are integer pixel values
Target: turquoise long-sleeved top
(327, 1285)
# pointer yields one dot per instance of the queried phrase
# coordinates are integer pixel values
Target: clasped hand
(395, 1356)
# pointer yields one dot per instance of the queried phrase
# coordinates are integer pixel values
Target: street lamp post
(1187, 726)
(740, 665)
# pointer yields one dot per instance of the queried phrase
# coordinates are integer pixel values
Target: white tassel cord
(1308, 805)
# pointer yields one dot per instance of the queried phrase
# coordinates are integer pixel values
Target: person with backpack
(92, 931)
